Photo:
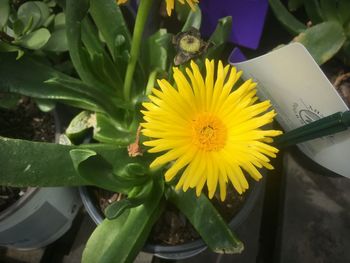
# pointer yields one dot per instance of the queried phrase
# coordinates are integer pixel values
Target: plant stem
(141, 18)
(151, 80)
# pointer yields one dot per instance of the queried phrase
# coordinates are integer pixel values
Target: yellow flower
(209, 133)
(170, 4)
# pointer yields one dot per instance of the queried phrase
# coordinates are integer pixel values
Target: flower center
(208, 132)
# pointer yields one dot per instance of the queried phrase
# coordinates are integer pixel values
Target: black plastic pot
(185, 250)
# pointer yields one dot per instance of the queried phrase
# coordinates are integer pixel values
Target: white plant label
(301, 93)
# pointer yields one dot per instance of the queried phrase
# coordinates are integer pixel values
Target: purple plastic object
(236, 56)
(248, 17)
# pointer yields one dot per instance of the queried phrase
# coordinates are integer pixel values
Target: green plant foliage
(100, 172)
(135, 198)
(34, 26)
(218, 39)
(4, 12)
(194, 19)
(329, 31)
(49, 84)
(79, 126)
(286, 18)
(34, 40)
(323, 40)
(30, 163)
(107, 131)
(9, 100)
(213, 229)
(120, 239)
(113, 72)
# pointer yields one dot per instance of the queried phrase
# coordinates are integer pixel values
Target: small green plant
(32, 25)
(325, 33)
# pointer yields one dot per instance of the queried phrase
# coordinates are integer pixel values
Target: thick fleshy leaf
(293, 5)
(60, 21)
(194, 19)
(330, 10)
(323, 41)
(9, 100)
(4, 12)
(107, 131)
(34, 40)
(110, 21)
(286, 18)
(45, 105)
(79, 126)
(120, 240)
(57, 42)
(76, 12)
(219, 37)
(29, 14)
(158, 51)
(101, 172)
(40, 81)
(343, 12)
(25, 163)
(314, 11)
(206, 220)
(134, 199)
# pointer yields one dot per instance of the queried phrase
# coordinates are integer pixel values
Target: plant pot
(40, 217)
(189, 249)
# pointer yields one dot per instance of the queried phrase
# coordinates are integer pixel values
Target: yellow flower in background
(170, 4)
(209, 132)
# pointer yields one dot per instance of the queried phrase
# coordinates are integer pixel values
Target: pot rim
(197, 245)
(21, 202)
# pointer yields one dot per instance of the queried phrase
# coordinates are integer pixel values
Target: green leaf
(4, 12)
(45, 105)
(219, 37)
(286, 18)
(194, 19)
(293, 5)
(314, 11)
(158, 51)
(99, 171)
(206, 220)
(120, 240)
(44, 12)
(9, 100)
(4, 47)
(107, 70)
(118, 207)
(33, 81)
(29, 14)
(57, 42)
(49, 20)
(323, 41)
(25, 163)
(34, 40)
(60, 21)
(79, 126)
(330, 10)
(110, 132)
(182, 11)
(343, 11)
(110, 21)
(76, 11)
